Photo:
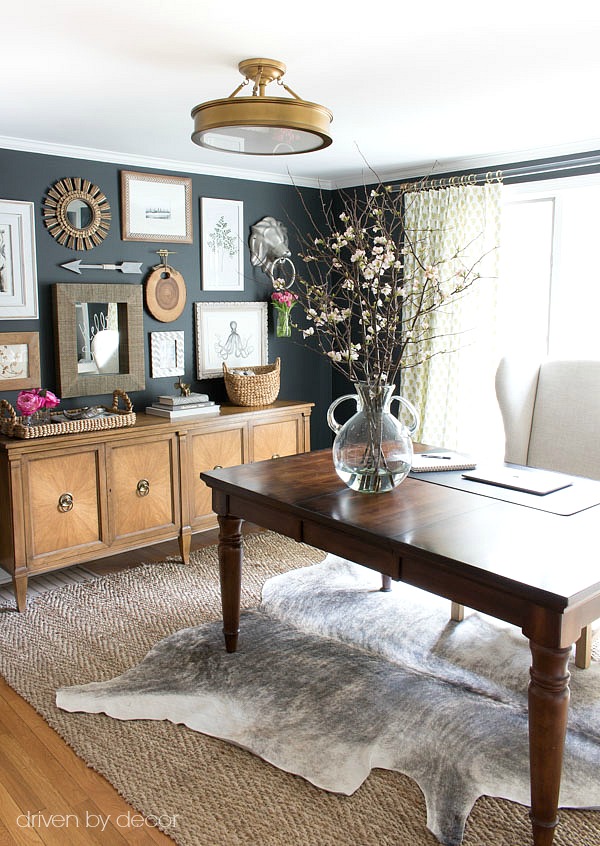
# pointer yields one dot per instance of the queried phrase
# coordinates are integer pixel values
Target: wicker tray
(260, 388)
(14, 427)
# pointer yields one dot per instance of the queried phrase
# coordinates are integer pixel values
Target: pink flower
(50, 399)
(29, 402)
(284, 299)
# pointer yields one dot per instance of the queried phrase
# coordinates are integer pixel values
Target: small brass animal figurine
(183, 387)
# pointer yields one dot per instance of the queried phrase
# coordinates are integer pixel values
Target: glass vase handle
(415, 414)
(331, 421)
(335, 426)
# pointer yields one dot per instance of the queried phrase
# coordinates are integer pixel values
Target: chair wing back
(516, 386)
(551, 414)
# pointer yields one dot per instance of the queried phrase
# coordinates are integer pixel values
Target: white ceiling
(414, 87)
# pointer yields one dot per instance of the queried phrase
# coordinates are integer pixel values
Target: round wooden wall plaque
(165, 293)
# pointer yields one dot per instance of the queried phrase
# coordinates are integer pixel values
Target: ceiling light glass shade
(260, 125)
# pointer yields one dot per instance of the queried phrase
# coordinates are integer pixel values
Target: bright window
(550, 276)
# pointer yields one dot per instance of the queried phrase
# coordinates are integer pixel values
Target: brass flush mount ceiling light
(261, 125)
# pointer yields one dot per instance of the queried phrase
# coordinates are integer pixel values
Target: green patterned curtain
(454, 391)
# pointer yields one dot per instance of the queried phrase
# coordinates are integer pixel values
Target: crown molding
(352, 179)
(46, 148)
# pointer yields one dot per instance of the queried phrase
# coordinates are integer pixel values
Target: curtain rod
(557, 167)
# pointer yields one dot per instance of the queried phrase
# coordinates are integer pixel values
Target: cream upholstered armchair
(551, 416)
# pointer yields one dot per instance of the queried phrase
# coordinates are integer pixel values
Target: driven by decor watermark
(131, 819)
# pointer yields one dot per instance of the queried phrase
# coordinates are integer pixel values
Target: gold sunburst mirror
(77, 213)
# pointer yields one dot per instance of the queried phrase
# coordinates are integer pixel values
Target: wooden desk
(532, 568)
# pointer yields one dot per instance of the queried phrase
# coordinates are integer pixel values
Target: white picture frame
(18, 272)
(156, 207)
(222, 225)
(167, 354)
(234, 333)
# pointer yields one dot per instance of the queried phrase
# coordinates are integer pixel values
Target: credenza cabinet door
(65, 505)
(143, 488)
(224, 448)
(274, 440)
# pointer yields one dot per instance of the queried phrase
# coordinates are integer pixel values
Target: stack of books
(176, 407)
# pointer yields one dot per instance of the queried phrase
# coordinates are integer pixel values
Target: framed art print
(156, 207)
(19, 360)
(222, 245)
(234, 333)
(18, 276)
(167, 354)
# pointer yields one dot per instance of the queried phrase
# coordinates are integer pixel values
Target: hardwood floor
(40, 774)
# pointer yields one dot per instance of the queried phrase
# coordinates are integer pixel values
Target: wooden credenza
(74, 498)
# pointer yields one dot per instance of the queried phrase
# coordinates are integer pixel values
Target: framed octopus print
(234, 333)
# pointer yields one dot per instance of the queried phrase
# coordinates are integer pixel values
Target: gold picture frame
(156, 207)
(19, 360)
(77, 213)
(81, 375)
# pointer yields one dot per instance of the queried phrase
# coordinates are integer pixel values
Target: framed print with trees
(222, 245)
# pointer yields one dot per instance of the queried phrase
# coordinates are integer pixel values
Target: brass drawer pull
(65, 502)
(218, 467)
(275, 455)
(143, 487)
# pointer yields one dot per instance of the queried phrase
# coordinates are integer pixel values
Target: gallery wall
(27, 177)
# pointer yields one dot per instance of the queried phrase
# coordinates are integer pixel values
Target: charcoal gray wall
(27, 176)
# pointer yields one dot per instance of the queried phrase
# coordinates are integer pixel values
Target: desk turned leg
(231, 553)
(548, 708)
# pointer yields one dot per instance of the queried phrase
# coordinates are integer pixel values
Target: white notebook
(440, 460)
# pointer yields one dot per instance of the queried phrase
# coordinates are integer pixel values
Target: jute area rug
(218, 794)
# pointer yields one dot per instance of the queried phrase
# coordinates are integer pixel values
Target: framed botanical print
(19, 360)
(156, 207)
(222, 224)
(234, 333)
(18, 276)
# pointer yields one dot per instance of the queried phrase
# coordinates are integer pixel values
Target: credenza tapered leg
(20, 589)
(185, 545)
(548, 710)
(231, 553)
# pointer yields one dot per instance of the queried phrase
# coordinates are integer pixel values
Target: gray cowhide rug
(333, 678)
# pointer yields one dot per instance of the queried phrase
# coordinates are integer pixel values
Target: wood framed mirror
(99, 338)
(77, 214)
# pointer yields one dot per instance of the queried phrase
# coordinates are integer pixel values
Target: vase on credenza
(373, 452)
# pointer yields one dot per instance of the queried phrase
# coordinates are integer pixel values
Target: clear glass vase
(372, 452)
(283, 326)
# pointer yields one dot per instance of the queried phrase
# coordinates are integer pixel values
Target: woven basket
(14, 427)
(261, 388)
